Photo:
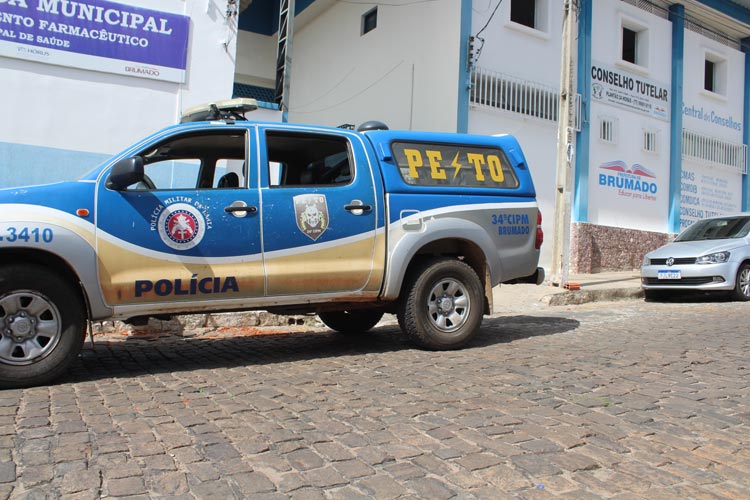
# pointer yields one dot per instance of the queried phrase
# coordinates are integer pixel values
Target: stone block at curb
(199, 323)
(585, 296)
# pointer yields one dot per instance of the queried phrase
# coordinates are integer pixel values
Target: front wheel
(742, 283)
(42, 325)
(356, 321)
(442, 304)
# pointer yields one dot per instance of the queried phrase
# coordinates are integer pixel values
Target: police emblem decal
(311, 214)
(181, 226)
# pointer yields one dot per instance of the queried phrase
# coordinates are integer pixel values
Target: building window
(522, 12)
(651, 141)
(715, 74)
(709, 77)
(633, 42)
(608, 130)
(369, 20)
(629, 45)
(530, 13)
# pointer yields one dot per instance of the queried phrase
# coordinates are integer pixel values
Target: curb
(586, 296)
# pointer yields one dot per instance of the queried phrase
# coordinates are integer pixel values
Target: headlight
(646, 261)
(713, 258)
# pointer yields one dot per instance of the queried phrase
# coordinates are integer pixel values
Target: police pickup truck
(223, 214)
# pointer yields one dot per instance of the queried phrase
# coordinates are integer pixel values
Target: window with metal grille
(651, 141)
(608, 129)
(508, 93)
(715, 152)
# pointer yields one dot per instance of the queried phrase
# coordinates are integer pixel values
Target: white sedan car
(710, 255)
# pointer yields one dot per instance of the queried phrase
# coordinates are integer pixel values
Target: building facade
(661, 93)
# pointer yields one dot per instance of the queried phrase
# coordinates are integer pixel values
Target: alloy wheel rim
(745, 282)
(30, 326)
(448, 305)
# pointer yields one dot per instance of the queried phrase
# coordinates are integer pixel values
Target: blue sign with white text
(96, 34)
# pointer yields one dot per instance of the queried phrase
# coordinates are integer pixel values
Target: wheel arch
(57, 264)
(470, 244)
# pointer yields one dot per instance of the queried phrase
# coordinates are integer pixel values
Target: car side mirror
(125, 172)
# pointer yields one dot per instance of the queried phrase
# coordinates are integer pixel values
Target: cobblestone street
(620, 400)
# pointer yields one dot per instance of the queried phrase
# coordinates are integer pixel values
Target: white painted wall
(87, 111)
(508, 49)
(727, 104)
(404, 72)
(610, 206)
(538, 140)
(256, 59)
(514, 49)
(711, 190)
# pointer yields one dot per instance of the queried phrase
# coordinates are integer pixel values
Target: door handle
(232, 209)
(352, 207)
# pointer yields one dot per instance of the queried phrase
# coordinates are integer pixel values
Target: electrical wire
(321, 96)
(383, 77)
(481, 40)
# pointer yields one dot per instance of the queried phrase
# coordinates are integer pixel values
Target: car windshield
(716, 229)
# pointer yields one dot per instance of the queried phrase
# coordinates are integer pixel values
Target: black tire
(742, 283)
(442, 304)
(356, 321)
(654, 295)
(42, 325)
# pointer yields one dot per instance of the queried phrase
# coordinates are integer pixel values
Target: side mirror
(125, 172)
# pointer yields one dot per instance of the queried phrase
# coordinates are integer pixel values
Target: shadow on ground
(165, 352)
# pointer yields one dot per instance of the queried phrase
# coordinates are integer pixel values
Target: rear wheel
(42, 325)
(442, 304)
(742, 283)
(654, 295)
(356, 321)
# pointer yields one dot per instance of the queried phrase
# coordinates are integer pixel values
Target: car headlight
(713, 258)
(646, 261)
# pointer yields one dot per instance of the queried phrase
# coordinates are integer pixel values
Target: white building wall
(256, 59)
(531, 55)
(404, 72)
(54, 111)
(611, 205)
(710, 189)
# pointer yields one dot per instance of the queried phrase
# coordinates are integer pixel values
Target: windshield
(716, 229)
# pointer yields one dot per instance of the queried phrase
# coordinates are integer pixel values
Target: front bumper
(692, 277)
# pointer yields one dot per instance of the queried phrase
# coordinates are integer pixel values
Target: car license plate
(669, 275)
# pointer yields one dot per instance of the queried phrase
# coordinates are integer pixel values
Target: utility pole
(284, 56)
(565, 148)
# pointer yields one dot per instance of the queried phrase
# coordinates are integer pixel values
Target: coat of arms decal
(311, 213)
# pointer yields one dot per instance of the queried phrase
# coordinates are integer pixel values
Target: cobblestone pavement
(619, 400)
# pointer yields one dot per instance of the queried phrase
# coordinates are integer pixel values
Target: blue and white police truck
(219, 213)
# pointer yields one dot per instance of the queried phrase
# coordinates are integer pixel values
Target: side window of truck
(304, 159)
(195, 161)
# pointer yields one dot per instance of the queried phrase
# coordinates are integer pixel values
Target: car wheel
(654, 295)
(742, 283)
(355, 321)
(42, 325)
(442, 304)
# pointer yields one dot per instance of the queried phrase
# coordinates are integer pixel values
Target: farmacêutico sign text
(96, 35)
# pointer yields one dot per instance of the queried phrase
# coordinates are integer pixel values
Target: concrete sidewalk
(607, 286)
